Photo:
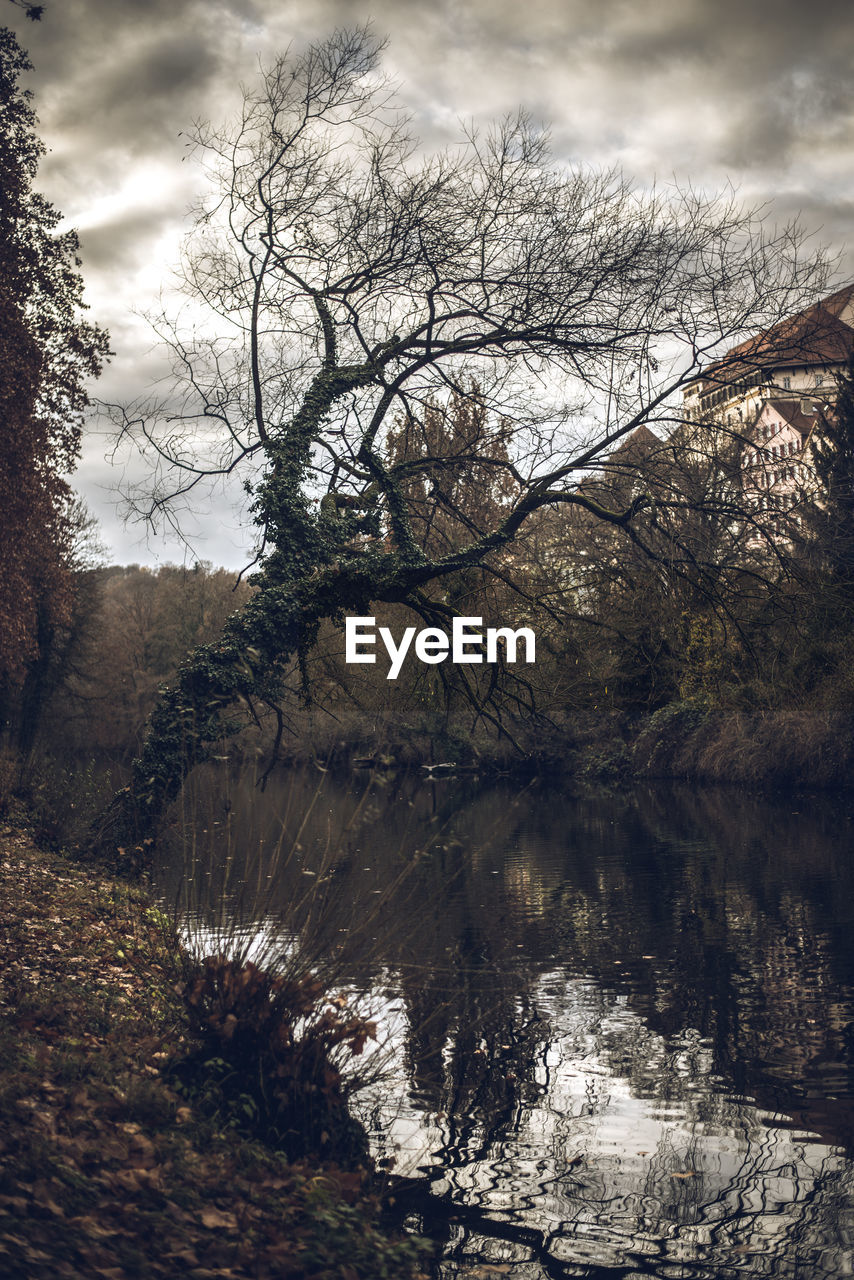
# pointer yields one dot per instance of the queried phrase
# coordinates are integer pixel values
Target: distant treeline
(636, 673)
(134, 626)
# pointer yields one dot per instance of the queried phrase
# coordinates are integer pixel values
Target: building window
(787, 383)
(819, 379)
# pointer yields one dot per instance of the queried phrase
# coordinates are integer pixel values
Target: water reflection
(620, 1028)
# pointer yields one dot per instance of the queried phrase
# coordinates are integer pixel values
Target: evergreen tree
(46, 354)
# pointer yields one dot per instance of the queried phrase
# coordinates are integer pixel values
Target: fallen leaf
(186, 1257)
(213, 1218)
(137, 1179)
(93, 1228)
(18, 1204)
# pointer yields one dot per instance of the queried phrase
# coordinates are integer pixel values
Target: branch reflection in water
(616, 1030)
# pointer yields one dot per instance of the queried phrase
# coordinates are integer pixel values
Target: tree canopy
(343, 280)
(48, 352)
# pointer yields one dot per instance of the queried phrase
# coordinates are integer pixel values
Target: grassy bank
(106, 1169)
(760, 748)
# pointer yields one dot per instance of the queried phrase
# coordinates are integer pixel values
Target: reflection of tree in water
(666, 895)
(715, 1189)
(702, 930)
(573, 967)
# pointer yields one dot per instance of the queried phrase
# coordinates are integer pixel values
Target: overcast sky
(751, 92)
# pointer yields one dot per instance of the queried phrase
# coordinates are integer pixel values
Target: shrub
(270, 1056)
(661, 746)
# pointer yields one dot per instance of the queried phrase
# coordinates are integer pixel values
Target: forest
(644, 666)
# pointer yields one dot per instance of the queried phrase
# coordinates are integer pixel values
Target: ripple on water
(621, 1023)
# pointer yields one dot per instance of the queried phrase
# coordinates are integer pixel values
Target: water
(617, 1030)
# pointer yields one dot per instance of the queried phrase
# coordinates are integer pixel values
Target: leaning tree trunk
(216, 679)
(307, 577)
(312, 574)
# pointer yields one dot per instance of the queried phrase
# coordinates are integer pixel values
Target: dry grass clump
(272, 1051)
(284, 931)
(800, 747)
(808, 747)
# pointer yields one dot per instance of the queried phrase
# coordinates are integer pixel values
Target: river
(615, 1031)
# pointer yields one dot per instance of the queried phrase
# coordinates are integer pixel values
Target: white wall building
(776, 462)
(769, 393)
(797, 359)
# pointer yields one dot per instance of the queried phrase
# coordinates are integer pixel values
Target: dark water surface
(618, 1030)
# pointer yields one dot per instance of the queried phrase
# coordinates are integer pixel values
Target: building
(769, 394)
(795, 360)
(777, 474)
(744, 444)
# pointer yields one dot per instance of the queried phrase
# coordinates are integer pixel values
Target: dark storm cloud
(780, 75)
(667, 86)
(126, 75)
(771, 76)
(144, 94)
(126, 241)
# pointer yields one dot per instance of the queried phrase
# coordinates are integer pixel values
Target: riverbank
(763, 748)
(105, 1169)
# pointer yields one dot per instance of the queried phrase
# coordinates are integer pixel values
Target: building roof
(622, 462)
(790, 411)
(841, 303)
(634, 445)
(819, 335)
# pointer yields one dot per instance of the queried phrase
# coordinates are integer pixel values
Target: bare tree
(348, 279)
